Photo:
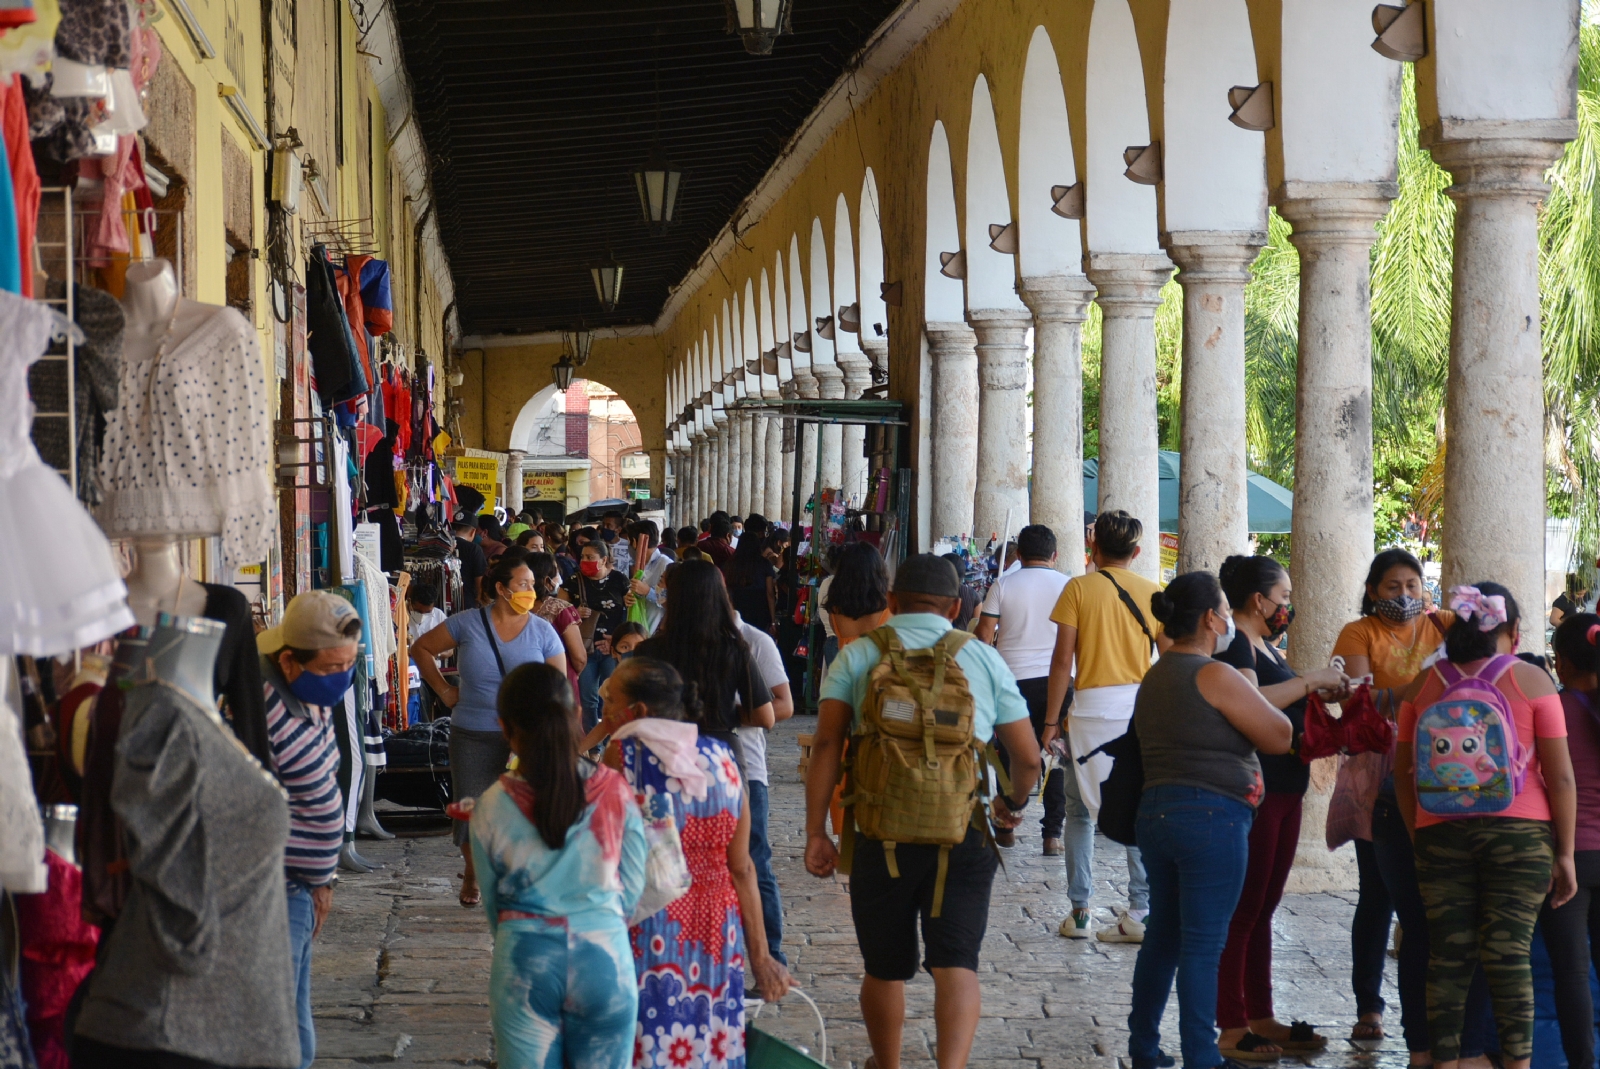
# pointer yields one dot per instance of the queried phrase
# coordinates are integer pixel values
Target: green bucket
(766, 1051)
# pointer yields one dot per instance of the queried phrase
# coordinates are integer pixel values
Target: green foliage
(1271, 339)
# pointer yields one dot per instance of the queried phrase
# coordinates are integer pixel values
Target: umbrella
(1271, 506)
(596, 509)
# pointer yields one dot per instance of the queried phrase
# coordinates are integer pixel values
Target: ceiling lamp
(576, 344)
(657, 182)
(758, 23)
(608, 283)
(561, 371)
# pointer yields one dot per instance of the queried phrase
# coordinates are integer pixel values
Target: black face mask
(1280, 620)
(608, 535)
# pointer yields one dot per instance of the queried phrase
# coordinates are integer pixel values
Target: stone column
(1331, 541)
(696, 479)
(809, 387)
(853, 437)
(786, 431)
(1212, 518)
(1129, 292)
(1494, 402)
(513, 488)
(1002, 483)
(756, 437)
(830, 440)
(742, 453)
(954, 427)
(658, 473)
(1059, 304)
(772, 466)
(719, 469)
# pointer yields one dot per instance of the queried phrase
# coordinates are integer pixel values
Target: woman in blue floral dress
(692, 956)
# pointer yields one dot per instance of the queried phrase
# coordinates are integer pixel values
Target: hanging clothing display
(237, 673)
(335, 364)
(28, 48)
(198, 965)
(22, 869)
(57, 953)
(97, 367)
(376, 297)
(347, 279)
(60, 590)
(25, 187)
(188, 450)
(11, 262)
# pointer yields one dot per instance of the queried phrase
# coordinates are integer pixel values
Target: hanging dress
(690, 956)
(60, 589)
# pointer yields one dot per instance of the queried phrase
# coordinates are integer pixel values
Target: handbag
(666, 870)
(586, 624)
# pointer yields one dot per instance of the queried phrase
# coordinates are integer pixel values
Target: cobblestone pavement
(401, 970)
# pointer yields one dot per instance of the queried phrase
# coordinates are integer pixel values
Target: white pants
(1097, 716)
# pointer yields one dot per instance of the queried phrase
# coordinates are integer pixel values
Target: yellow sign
(544, 486)
(483, 475)
(1169, 557)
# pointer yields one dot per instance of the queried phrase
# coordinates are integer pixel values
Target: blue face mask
(321, 690)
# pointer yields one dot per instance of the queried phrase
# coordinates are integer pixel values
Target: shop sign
(483, 475)
(544, 486)
(1169, 557)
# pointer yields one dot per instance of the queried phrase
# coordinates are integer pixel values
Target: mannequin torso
(157, 583)
(182, 653)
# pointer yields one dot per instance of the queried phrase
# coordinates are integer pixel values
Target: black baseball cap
(927, 574)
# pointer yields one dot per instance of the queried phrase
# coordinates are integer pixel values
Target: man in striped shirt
(307, 662)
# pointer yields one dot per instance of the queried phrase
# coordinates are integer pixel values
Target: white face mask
(1225, 639)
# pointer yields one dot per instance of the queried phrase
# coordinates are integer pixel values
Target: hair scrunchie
(1594, 635)
(1470, 603)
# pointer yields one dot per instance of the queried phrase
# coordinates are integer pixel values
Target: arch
(991, 275)
(1048, 243)
(944, 299)
(844, 274)
(1120, 214)
(537, 430)
(822, 350)
(781, 331)
(869, 249)
(798, 321)
(1215, 172)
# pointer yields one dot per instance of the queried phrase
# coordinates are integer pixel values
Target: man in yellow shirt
(1104, 624)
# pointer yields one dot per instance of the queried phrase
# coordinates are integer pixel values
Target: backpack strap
(1497, 666)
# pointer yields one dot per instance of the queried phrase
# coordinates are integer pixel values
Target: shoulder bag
(494, 642)
(1133, 607)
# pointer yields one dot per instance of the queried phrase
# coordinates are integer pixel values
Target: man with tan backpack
(919, 705)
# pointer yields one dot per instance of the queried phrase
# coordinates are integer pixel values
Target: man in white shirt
(753, 752)
(1016, 620)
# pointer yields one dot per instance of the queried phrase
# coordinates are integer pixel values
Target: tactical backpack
(914, 773)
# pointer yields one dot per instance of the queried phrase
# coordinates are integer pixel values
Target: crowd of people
(611, 694)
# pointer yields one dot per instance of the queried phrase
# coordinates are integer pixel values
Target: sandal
(1303, 1039)
(1367, 1032)
(1253, 1048)
(470, 902)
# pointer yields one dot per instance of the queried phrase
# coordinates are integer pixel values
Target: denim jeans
(761, 856)
(1079, 843)
(1369, 932)
(301, 922)
(596, 671)
(1196, 847)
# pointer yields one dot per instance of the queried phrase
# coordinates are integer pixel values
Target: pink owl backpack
(1470, 761)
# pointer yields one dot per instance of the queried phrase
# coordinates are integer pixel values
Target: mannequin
(182, 654)
(154, 311)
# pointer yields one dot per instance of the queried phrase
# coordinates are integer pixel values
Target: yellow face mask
(522, 601)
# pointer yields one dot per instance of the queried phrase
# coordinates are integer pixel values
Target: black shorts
(886, 908)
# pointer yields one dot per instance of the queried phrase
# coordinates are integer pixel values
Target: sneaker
(1078, 925)
(1054, 848)
(1127, 930)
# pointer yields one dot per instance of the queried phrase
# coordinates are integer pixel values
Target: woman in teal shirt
(562, 868)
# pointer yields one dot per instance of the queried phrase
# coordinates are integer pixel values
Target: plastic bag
(1355, 790)
(666, 870)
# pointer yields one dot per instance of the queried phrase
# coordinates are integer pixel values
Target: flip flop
(471, 903)
(1251, 1048)
(1367, 1032)
(1303, 1039)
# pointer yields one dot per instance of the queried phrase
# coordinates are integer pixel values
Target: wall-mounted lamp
(953, 264)
(1144, 163)
(825, 328)
(288, 173)
(1067, 201)
(1402, 32)
(802, 342)
(891, 292)
(850, 318)
(769, 362)
(1252, 106)
(1003, 238)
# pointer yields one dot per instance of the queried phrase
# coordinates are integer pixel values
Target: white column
(719, 470)
(772, 470)
(756, 445)
(1002, 483)
(1059, 304)
(1129, 292)
(741, 455)
(809, 387)
(1214, 267)
(830, 386)
(853, 437)
(1494, 403)
(695, 474)
(1331, 540)
(954, 430)
(514, 482)
(790, 390)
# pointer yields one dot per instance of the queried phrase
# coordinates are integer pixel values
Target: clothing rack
(348, 237)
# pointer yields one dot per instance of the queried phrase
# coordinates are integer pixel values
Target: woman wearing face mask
(1200, 725)
(1258, 591)
(599, 591)
(489, 642)
(563, 617)
(1391, 641)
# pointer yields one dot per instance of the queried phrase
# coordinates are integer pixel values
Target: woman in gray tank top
(1199, 724)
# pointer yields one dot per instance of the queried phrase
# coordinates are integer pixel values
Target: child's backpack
(1470, 761)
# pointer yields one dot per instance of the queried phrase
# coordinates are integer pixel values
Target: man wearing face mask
(1106, 636)
(600, 592)
(307, 663)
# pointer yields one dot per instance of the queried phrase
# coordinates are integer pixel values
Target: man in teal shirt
(885, 908)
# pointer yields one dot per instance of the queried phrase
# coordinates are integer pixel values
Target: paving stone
(401, 972)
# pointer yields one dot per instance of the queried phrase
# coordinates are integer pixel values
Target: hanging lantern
(657, 182)
(608, 283)
(576, 345)
(561, 371)
(758, 23)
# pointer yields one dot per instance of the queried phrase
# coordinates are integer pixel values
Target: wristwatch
(1013, 806)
